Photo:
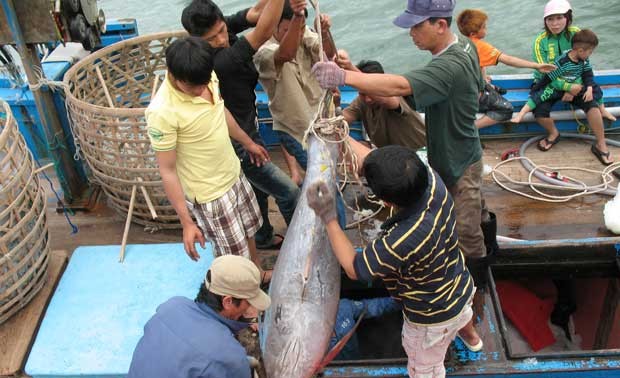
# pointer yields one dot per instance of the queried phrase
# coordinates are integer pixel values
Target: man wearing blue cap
(447, 90)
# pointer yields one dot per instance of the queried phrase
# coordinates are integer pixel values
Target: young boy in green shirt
(574, 75)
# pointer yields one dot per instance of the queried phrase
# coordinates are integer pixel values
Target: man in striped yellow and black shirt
(417, 255)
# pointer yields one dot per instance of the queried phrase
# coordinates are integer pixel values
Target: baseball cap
(556, 7)
(419, 11)
(237, 277)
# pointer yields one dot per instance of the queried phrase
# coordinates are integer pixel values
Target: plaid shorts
(230, 220)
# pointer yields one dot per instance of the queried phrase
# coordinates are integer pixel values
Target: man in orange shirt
(472, 23)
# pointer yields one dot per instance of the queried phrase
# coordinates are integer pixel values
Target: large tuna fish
(305, 286)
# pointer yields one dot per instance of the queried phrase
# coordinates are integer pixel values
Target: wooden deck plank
(17, 334)
(518, 217)
(524, 218)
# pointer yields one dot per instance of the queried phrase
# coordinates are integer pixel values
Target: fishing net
(107, 95)
(24, 239)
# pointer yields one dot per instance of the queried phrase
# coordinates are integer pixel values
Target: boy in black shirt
(238, 78)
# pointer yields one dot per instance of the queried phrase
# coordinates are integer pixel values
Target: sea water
(365, 29)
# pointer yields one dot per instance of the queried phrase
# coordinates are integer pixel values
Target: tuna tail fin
(329, 357)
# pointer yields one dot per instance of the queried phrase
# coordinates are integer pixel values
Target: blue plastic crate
(119, 30)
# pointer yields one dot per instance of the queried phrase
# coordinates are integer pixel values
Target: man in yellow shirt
(189, 129)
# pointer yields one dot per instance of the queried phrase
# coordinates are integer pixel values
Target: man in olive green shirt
(447, 89)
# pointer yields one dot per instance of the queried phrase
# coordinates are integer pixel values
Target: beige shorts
(230, 220)
(426, 346)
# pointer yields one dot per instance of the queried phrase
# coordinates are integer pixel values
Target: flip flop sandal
(549, 143)
(600, 155)
(272, 244)
(472, 348)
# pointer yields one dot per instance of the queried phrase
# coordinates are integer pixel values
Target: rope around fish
(329, 127)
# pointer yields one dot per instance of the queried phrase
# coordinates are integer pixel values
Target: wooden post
(121, 257)
(147, 198)
(154, 90)
(105, 87)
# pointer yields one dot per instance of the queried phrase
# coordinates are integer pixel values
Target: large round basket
(24, 241)
(107, 95)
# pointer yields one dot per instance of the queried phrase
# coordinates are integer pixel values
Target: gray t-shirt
(447, 90)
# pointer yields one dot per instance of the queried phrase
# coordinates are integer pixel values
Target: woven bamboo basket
(24, 241)
(107, 94)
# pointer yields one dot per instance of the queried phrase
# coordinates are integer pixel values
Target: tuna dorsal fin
(329, 357)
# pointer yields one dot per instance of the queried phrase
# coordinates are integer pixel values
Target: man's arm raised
(269, 18)
(287, 50)
(329, 46)
(255, 12)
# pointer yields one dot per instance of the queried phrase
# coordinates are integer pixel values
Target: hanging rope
(66, 212)
(317, 21)
(55, 86)
(328, 127)
(43, 81)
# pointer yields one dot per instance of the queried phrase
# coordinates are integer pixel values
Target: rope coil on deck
(107, 94)
(552, 183)
(24, 239)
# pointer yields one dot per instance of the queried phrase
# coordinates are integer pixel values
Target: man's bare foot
(517, 119)
(265, 276)
(297, 178)
(607, 115)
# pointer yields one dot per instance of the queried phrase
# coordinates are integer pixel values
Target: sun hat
(239, 278)
(556, 7)
(419, 11)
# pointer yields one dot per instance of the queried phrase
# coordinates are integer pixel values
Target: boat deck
(518, 217)
(524, 218)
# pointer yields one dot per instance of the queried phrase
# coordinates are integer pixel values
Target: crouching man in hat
(190, 339)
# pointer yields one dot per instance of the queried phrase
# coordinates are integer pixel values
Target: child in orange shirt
(472, 23)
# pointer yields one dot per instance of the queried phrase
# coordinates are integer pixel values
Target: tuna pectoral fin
(339, 345)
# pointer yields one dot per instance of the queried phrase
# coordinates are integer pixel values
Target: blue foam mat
(100, 306)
